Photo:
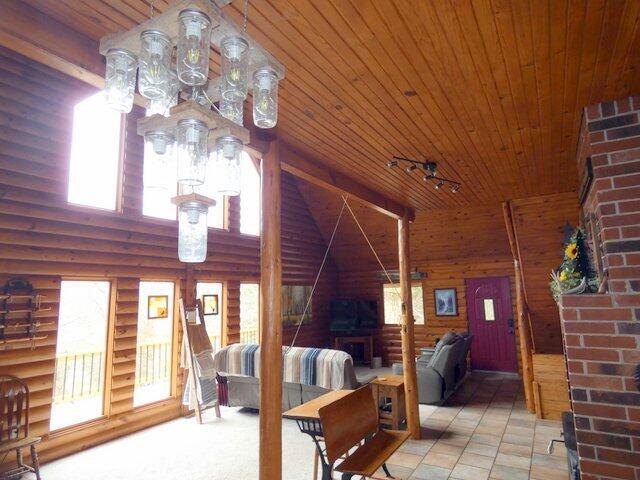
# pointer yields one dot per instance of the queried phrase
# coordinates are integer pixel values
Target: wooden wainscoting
(550, 387)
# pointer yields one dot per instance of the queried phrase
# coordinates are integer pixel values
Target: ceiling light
(392, 163)
(194, 42)
(265, 98)
(426, 178)
(410, 168)
(439, 185)
(455, 188)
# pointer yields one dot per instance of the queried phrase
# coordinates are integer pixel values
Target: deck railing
(81, 375)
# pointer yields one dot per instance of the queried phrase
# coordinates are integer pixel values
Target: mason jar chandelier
(198, 142)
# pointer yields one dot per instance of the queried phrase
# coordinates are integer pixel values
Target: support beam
(407, 332)
(270, 319)
(524, 326)
(341, 184)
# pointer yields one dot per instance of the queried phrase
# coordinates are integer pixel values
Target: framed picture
(294, 300)
(157, 306)
(446, 301)
(210, 304)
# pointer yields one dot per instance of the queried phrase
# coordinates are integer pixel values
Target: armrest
(366, 380)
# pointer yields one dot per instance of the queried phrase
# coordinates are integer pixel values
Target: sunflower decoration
(575, 274)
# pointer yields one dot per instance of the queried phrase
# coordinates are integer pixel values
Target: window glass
(249, 197)
(210, 294)
(153, 346)
(95, 154)
(392, 304)
(81, 345)
(489, 313)
(249, 313)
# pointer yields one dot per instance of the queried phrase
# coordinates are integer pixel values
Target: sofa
(308, 374)
(441, 370)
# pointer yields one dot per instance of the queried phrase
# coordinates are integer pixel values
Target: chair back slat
(347, 421)
(14, 408)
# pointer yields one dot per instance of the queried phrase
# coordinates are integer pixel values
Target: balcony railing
(81, 375)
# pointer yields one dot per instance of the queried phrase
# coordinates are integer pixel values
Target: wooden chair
(14, 426)
(350, 420)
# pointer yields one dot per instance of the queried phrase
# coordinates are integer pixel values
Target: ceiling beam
(314, 172)
(30, 32)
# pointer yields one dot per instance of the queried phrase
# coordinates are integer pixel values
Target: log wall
(45, 240)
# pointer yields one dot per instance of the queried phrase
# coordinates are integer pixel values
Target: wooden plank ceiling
(492, 90)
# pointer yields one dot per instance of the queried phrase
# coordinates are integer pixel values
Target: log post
(407, 332)
(270, 320)
(524, 327)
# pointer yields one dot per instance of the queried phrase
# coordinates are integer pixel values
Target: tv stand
(365, 340)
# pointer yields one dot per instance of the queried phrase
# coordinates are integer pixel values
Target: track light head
(455, 188)
(439, 185)
(392, 163)
(410, 168)
(427, 177)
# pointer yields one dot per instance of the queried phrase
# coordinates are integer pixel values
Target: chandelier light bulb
(227, 160)
(265, 98)
(193, 47)
(192, 232)
(234, 53)
(120, 79)
(155, 64)
(191, 136)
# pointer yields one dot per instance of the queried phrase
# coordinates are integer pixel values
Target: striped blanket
(309, 366)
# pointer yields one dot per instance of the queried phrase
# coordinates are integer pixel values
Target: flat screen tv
(353, 315)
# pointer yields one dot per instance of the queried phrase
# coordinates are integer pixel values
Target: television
(353, 315)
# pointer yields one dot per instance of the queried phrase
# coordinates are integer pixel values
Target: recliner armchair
(437, 372)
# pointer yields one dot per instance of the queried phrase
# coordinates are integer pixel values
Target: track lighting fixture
(430, 169)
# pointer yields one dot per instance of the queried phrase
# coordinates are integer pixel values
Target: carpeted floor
(484, 432)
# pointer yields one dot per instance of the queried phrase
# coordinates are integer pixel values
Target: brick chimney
(602, 331)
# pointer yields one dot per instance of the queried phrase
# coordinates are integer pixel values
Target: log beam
(271, 319)
(407, 332)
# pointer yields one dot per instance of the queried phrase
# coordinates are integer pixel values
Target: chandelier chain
(246, 14)
(152, 8)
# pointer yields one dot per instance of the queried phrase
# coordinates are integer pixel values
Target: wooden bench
(348, 422)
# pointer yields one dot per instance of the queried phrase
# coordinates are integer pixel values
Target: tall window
(249, 197)
(156, 202)
(95, 154)
(78, 392)
(392, 303)
(210, 294)
(249, 313)
(153, 348)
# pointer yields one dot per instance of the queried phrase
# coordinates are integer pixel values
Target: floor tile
(440, 460)
(403, 459)
(447, 449)
(511, 449)
(416, 447)
(473, 459)
(501, 472)
(398, 472)
(467, 472)
(513, 461)
(429, 472)
(481, 449)
(486, 439)
(458, 440)
(517, 439)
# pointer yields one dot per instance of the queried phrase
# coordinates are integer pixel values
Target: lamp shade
(227, 157)
(265, 98)
(154, 67)
(192, 227)
(234, 53)
(120, 79)
(191, 137)
(193, 47)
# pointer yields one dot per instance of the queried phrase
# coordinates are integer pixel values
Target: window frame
(424, 310)
(107, 386)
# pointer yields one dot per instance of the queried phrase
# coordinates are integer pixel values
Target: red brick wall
(602, 331)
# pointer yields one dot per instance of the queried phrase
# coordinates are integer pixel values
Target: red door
(490, 314)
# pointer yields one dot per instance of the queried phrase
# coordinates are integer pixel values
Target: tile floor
(484, 432)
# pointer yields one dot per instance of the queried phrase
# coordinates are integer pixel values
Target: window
(95, 154)
(249, 197)
(78, 393)
(210, 294)
(154, 342)
(156, 202)
(249, 313)
(489, 313)
(392, 304)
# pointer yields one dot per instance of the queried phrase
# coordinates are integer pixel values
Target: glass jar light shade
(194, 39)
(163, 104)
(234, 53)
(154, 67)
(265, 98)
(192, 232)
(232, 110)
(228, 154)
(120, 79)
(191, 137)
(159, 160)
